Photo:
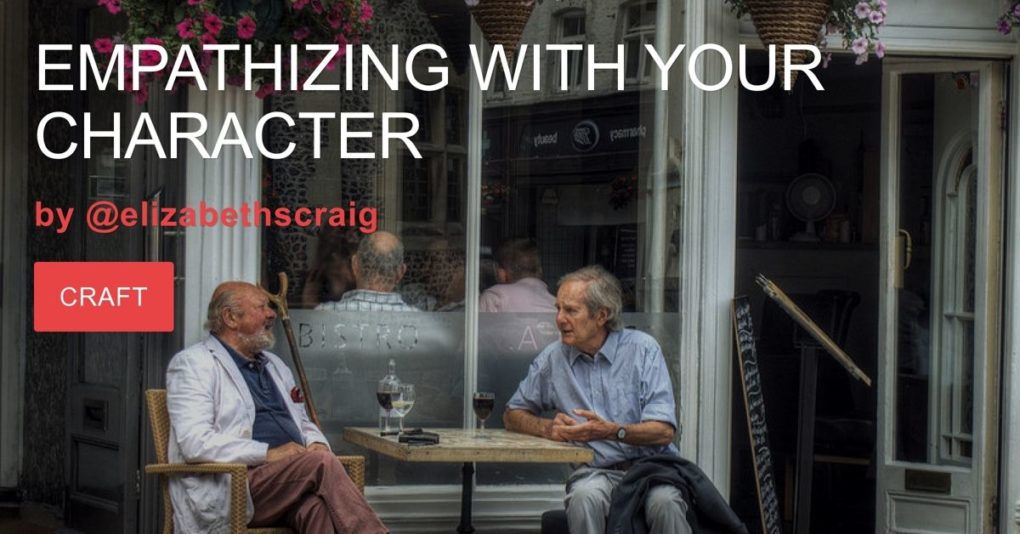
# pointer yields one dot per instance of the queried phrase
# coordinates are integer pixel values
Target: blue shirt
(625, 382)
(273, 424)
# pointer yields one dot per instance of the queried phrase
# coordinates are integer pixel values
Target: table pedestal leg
(467, 474)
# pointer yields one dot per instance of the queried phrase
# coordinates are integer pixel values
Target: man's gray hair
(380, 258)
(226, 299)
(602, 292)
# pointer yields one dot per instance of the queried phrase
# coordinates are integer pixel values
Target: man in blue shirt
(610, 390)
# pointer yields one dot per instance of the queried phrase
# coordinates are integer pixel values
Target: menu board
(754, 402)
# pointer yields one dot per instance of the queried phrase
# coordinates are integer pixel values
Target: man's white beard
(258, 342)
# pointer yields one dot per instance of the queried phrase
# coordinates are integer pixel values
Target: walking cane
(280, 299)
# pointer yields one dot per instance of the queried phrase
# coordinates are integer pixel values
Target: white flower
(876, 18)
(863, 9)
(471, 3)
(861, 59)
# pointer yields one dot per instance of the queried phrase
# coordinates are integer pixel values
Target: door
(940, 292)
(107, 440)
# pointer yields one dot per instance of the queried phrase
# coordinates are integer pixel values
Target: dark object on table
(424, 438)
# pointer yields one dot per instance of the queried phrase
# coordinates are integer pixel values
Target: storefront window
(571, 32)
(573, 172)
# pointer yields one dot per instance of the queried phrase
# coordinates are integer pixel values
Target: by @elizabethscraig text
(106, 216)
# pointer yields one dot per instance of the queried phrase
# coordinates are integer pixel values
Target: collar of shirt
(607, 350)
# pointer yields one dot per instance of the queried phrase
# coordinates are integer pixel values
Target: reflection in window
(570, 29)
(638, 30)
(953, 328)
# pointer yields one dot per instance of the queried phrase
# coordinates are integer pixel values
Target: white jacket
(211, 418)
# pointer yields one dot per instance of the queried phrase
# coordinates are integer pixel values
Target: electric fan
(810, 197)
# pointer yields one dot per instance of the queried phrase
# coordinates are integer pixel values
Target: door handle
(908, 250)
(903, 248)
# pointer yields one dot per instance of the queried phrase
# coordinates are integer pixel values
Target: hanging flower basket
(787, 22)
(259, 23)
(502, 21)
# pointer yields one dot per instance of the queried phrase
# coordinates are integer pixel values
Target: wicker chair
(160, 419)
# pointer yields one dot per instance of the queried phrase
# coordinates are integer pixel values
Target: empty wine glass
(404, 402)
(483, 403)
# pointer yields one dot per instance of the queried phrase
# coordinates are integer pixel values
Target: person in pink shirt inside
(521, 288)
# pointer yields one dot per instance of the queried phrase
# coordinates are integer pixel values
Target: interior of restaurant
(807, 210)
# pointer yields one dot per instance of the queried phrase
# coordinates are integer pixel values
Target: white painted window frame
(576, 74)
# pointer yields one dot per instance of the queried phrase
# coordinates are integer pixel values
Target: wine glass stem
(401, 416)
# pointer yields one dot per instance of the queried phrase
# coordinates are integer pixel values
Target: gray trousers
(588, 498)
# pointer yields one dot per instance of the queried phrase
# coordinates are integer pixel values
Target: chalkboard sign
(754, 402)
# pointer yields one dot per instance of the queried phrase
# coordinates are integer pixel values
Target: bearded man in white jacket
(231, 401)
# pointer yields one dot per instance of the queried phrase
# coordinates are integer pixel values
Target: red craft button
(104, 297)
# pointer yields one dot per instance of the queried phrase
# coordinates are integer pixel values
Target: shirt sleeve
(489, 301)
(533, 393)
(657, 401)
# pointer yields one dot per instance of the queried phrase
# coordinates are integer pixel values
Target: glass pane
(573, 175)
(109, 180)
(421, 201)
(935, 348)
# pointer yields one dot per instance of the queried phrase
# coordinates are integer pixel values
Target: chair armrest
(238, 486)
(202, 468)
(355, 467)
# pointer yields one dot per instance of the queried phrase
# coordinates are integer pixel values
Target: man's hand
(557, 424)
(283, 451)
(594, 429)
(318, 447)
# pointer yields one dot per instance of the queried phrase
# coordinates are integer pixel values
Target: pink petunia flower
(113, 6)
(1016, 10)
(879, 49)
(184, 29)
(876, 18)
(862, 9)
(334, 20)
(150, 57)
(103, 45)
(245, 27)
(859, 45)
(317, 7)
(300, 4)
(302, 33)
(1005, 27)
(207, 39)
(366, 12)
(883, 6)
(194, 2)
(212, 24)
(264, 91)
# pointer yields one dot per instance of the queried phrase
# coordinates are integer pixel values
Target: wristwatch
(621, 433)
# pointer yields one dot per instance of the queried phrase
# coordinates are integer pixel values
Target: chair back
(159, 420)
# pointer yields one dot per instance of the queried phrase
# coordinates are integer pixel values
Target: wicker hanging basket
(503, 21)
(783, 22)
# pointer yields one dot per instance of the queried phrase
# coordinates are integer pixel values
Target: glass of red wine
(483, 403)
